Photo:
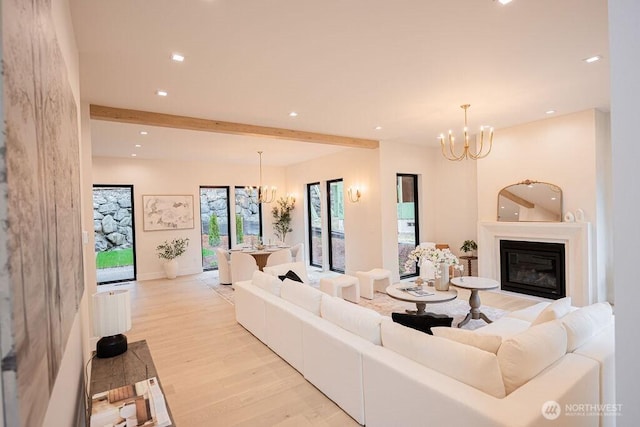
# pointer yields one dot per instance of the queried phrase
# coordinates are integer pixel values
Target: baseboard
(160, 274)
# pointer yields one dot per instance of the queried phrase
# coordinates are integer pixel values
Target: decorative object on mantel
(442, 259)
(530, 201)
(170, 251)
(282, 217)
(466, 152)
(569, 217)
(580, 215)
(264, 194)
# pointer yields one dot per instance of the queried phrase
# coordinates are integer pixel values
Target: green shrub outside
(214, 231)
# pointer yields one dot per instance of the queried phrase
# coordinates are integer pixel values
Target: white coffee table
(474, 284)
(395, 291)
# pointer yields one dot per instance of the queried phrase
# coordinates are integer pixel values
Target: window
(114, 231)
(335, 205)
(214, 223)
(314, 212)
(248, 217)
(407, 207)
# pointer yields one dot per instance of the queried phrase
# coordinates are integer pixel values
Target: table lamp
(111, 317)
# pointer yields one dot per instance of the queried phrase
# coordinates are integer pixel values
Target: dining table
(261, 255)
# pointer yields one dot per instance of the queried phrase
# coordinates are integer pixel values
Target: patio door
(114, 232)
(408, 230)
(214, 223)
(335, 207)
(314, 212)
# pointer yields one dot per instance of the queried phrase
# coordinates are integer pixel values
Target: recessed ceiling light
(144, 132)
(516, 213)
(550, 112)
(162, 93)
(177, 57)
(501, 207)
(553, 198)
(592, 59)
(504, 1)
(293, 114)
(378, 128)
(138, 145)
(133, 155)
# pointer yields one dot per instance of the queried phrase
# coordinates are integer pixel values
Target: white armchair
(224, 266)
(242, 266)
(283, 256)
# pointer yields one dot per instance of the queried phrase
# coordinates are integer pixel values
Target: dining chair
(224, 266)
(242, 266)
(297, 252)
(283, 256)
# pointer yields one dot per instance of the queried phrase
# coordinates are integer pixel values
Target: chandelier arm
(444, 151)
(478, 154)
(453, 154)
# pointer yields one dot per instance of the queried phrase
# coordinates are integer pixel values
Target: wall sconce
(354, 194)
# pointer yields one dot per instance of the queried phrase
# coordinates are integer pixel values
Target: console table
(469, 258)
(128, 368)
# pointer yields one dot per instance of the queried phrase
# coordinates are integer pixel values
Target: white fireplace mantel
(576, 236)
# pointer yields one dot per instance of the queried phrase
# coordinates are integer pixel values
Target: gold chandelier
(264, 194)
(466, 151)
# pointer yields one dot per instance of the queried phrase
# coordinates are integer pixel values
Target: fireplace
(533, 268)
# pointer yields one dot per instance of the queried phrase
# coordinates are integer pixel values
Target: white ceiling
(344, 66)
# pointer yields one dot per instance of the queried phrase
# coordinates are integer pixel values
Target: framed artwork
(167, 212)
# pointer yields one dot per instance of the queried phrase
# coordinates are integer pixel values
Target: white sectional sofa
(383, 374)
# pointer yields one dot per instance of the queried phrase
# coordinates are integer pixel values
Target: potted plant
(468, 247)
(282, 217)
(169, 251)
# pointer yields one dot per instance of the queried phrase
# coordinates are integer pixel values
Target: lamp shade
(111, 313)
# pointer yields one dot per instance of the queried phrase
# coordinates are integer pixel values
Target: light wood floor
(215, 373)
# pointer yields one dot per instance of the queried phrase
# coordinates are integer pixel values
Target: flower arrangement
(175, 248)
(436, 256)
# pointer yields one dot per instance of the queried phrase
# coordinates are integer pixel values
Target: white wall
(172, 177)
(561, 150)
(362, 220)
(456, 202)
(624, 31)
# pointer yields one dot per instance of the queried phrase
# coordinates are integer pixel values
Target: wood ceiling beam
(122, 115)
(517, 199)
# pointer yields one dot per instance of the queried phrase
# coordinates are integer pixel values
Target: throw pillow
(490, 343)
(586, 322)
(556, 310)
(525, 355)
(291, 276)
(422, 323)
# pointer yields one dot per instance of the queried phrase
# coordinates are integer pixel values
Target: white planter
(171, 268)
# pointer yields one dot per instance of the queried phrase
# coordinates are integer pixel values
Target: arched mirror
(530, 201)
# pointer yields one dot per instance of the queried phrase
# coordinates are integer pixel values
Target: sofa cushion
(291, 275)
(586, 322)
(525, 355)
(304, 296)
(266, 282)
(530, 313)
(467, 364)
(422, 323)
(361, 321)
(297, 267)
(556, 310)
(506, 327)
(489, 343)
